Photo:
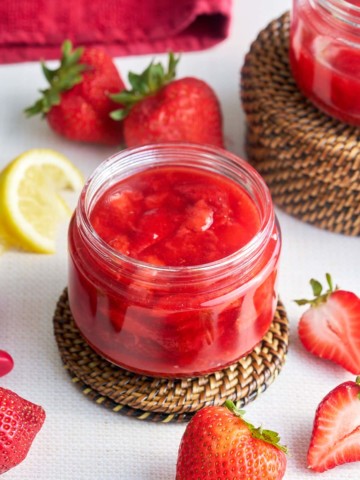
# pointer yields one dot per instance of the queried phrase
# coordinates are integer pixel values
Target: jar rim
(342, 10)
(154, 151)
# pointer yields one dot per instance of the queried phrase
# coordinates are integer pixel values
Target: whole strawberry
(330, 328)
(161, 109)
(20, 421)
(77, 104)
(335, 438)
(219, 444)
(6, 363)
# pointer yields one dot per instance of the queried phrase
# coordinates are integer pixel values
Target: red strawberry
(77, 104)
(330, 329)
(159, 109)
(20, 421)
(219, 444)
(6, 363)
(336, 433)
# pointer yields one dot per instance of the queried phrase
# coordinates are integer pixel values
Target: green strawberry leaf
(302, 301)
(329, 282)
(126, 97)
(319, 296)
(268, 436)
(316, 287)
(234, 409)
(137, 83)
(49, 74)
(149, 82)
(60, 79)
(173, 61)
(66, 48)
(38, 107)
(119, 114)
(74, 57)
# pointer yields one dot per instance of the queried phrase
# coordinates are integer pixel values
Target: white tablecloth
(81, 440)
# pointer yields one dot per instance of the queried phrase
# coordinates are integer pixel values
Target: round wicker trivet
(310, 161)
(161, 399)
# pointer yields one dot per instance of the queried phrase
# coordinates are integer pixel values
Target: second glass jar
(325, 55)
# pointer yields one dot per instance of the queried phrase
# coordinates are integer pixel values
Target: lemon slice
(30, 205)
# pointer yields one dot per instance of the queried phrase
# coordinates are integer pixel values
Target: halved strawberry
(330, 329)
(336, 433)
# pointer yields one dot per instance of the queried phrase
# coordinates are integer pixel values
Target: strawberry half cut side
(330, 328)
(336, 433)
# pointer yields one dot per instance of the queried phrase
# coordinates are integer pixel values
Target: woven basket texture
(310, 161)
(166, 399)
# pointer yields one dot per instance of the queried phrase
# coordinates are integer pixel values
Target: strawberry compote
(173, 260)
(325, 55)
(175, 216)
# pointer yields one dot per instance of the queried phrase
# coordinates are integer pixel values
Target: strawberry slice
(336, 433)
(330, 329)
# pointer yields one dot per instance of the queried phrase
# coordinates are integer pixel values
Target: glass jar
(325, 55)
(173, 321)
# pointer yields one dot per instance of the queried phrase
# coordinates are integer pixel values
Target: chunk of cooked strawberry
(113, 218)
(154, 226)
(120, 243)
(199, 217)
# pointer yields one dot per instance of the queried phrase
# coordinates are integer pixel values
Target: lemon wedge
(31, 207)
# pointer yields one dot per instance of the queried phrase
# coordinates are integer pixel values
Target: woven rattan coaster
(310, 161)
(161, 399)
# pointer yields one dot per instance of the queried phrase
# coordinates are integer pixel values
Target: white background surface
(80, 440)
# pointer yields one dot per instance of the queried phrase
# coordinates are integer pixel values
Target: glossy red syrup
(326, 69)
(172, 217)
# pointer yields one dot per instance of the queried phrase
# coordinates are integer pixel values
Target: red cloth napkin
(35, 29)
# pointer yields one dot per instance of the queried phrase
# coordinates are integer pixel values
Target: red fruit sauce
(159, 289)
(175, 217)
(325, 55)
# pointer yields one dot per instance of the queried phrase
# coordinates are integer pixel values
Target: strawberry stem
(268, 436)
(319, 296)
(60, 79)
(233, 409)
(329, 282)
(147, 83)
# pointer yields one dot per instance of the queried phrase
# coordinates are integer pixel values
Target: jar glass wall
(173, 321)
(325, 55)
